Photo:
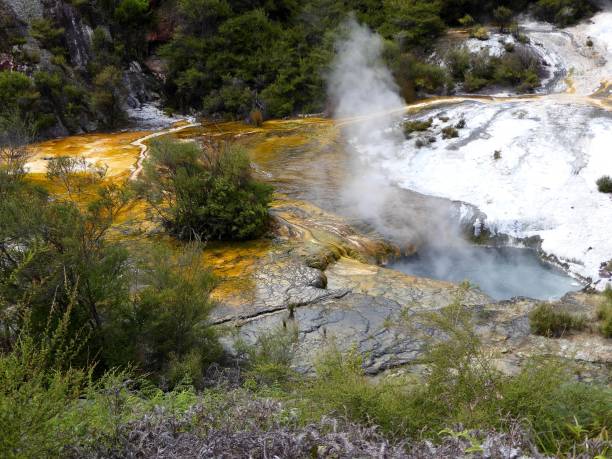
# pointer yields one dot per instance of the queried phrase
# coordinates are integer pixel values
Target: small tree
(108, 96)
(205, 193)
(503, 17)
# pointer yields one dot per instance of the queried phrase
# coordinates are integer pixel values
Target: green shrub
(546, 320)
(47, 34)
(563, 12)
(417, 126)
(269, 359)
(462, 386)
(467, 21)
(473, 83)
(479, 32)
(108, 96)
(164, 330)
(450, 132)
(458, 61)
(503, 17)
(205, 193)
(604, 184)
(36, 387)
(604, 313)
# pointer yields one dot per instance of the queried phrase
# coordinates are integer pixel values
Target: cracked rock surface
(321, 276)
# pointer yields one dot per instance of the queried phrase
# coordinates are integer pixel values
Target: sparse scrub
(269, 359)
(417, 126)
(604, 184)
(462, 387)
(450, 132)
(547, 321)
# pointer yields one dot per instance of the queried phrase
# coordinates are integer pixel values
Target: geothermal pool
(500, 272)
(529, 164)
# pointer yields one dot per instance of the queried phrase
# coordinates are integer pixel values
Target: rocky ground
(326, 278)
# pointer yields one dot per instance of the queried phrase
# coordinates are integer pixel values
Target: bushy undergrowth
(479, 70)
(548, 321)
(205, 193)
(563, 12)
(461, 387)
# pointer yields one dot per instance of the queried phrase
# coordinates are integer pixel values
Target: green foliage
(108, 96)
(18, 96)
(546, 320)
(413, 23)
(269, 359)
(417, 126)
(131, 12)
(164, 328)
(202, 17)
(503, 17)
(604, 314)
(48, 34)
(232, 98)
(563, 12)
(604, 184)
(479, 70)
(205, 193)
(467, 21)
(35, 390)
(462, 386)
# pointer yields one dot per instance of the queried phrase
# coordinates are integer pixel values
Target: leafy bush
(604, 184)
(546, 320)
(205, 193)
(108, 96)
(417, 126)
(47, 34)
(163, 329)
(479, 32)
(516, 68)
(502, 16)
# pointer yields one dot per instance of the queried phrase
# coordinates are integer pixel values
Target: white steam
(369, 110)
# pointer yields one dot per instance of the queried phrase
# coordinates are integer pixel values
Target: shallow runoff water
(500, 272)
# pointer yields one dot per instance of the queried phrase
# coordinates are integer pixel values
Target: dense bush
(515, 68)
(205, 193)
(163, 328)
(604, 184)
(546, 320)
(147, 309)
(563, 12)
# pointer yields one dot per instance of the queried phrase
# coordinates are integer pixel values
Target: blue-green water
(500, 272)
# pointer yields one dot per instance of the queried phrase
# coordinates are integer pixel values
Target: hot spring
(500, 272)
